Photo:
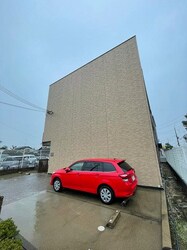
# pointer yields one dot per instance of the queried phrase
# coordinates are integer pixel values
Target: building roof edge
(92, 60)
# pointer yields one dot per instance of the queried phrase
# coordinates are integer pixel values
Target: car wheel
(57, 185)
(106, 194)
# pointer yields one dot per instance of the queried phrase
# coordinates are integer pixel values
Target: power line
(166, 130)
(17, 106)
(8, 92)
(172, 134)
(165, 124)
(169, 125)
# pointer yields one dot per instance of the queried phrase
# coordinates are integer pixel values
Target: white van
(30, 158)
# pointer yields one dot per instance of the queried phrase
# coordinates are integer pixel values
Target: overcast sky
(44, 40)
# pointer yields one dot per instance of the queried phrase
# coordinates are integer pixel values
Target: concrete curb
(26, 244)
(1, 202)
(113, 219)
(166, 237)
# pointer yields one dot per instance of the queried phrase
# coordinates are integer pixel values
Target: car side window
(19, 158)
(77, 166)
(88, 166)
(92, 166)
(8, 159)
(108, 167)
(97, 166)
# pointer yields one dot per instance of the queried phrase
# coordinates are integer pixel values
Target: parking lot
(70, 220)
(16, 186)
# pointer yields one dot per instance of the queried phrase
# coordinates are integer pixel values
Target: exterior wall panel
(101, 110)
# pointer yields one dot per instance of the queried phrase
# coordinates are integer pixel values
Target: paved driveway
(17, 186)
(70, 220)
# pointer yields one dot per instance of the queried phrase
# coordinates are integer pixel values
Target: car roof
(28, 155)
(103, 159)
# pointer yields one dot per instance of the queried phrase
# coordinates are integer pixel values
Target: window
(124, 166)
(97, 166)
(92, 166)
(77, 166)
(8, 159)
(108, 167)
(88, 166)
(18, 158)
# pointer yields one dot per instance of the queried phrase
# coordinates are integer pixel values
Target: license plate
(133, 178)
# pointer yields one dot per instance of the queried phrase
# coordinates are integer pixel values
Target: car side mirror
(67, 170)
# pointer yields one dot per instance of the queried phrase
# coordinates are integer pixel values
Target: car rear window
(124, 166)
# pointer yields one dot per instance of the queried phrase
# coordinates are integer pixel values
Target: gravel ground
(176, 193)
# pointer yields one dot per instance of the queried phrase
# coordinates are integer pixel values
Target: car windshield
(124, 166)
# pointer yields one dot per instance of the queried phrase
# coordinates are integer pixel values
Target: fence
(177, 158)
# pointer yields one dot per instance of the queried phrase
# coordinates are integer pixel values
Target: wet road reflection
(17, 186)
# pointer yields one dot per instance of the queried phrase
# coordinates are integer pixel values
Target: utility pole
(22, 157)
(177, 137)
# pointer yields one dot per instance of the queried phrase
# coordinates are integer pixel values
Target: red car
(109, 178)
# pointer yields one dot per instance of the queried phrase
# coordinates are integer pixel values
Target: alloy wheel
(106, 195)
(57, 185)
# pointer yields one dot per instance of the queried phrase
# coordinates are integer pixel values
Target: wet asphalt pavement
(70, 220)
(17, 186)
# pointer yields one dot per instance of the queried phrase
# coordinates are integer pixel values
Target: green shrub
(11, 244)
(8, 232)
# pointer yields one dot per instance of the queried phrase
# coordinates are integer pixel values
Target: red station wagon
(109, 178)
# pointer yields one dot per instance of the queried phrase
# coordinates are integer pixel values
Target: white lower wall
(177, 158)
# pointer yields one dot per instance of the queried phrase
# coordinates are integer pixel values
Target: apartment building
(102, 110)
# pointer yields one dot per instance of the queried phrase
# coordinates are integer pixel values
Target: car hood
(58, 171)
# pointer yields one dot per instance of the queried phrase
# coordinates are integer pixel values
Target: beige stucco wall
(101, 110)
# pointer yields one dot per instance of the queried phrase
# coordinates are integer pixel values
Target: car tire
(57, 185)
(106, 194)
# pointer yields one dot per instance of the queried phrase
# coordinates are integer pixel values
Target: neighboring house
(102, 110)
(19, 152)
(23, 148)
